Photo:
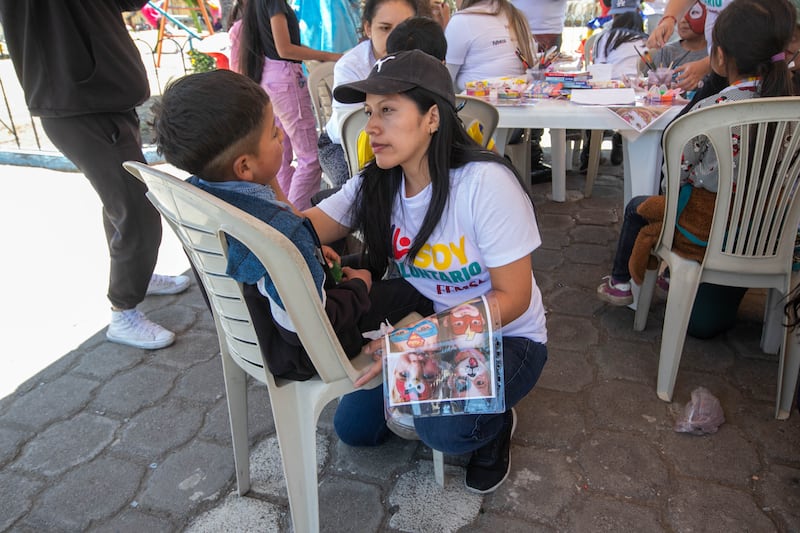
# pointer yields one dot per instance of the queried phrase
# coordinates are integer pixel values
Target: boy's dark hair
(418, 33)
(204, 121)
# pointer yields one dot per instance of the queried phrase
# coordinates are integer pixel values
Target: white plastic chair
(475, 109)
(352, 126)
(752, 236)
(201, 221)
(320, 86)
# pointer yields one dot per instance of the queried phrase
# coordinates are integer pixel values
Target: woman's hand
(376, 349)
(689, 75)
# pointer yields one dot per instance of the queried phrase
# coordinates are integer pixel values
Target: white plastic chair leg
(685, 280)
(645, 299)
(772, 332)
(297, 438)
(438, 467)
(236, 392)
(787, 376)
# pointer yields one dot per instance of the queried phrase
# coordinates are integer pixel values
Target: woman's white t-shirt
(488, 222)
(355, 65)
(479, 46)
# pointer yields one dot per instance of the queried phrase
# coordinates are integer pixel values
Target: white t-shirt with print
(488, 222)
(355, 65)
(480, 46)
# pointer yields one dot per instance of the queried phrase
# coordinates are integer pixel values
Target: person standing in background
(265, 47)
(691, 74)
(546, 20)
(83, 76)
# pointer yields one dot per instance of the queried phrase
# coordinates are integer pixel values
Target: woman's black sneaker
(489, 466)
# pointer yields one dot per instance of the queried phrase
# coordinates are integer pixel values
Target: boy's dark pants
(98, 144)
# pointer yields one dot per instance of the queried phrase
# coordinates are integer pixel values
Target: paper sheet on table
(639, 117)
(624, 96)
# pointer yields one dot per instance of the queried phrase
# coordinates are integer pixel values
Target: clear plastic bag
(702, 415)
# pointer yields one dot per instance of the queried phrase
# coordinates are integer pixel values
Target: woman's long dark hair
(625, 27)
(255, 18)
(451, 147)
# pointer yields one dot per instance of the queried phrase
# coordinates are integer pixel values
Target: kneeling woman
(432, 187)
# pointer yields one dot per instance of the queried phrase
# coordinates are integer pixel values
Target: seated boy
(234, 149)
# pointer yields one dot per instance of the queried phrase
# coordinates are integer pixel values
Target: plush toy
(696, 219)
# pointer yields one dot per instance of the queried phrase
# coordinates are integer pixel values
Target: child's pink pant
(286, 85)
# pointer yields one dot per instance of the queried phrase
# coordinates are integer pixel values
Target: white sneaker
(167, 284)
(131, 327)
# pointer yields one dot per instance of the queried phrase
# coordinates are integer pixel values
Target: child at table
(692, 45)
(234, 148)
(617, 46)
(754, 63)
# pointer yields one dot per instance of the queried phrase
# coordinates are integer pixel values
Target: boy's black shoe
(489, 466)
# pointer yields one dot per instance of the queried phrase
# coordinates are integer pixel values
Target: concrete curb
(56, 161)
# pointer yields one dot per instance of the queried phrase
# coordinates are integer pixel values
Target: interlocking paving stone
(128, 392)
(625, 406)
(337, 515)
(16, 497)
(567, 371)
(550, 419)
(590, 254)
(726, 456)
(573, 301)
(633, 361)
(378, 463)
(707, 506)
(594, 234)
(542, 484)
(10, 441)
(106, 360)
(133, 521)
(571, 333)
(185, 354)
(154, 431)
(191, 476)
(202, 382)
(60, 398)
(92, 491)
(594, 514)
(623, 465)
(779, 491)
(66, 444)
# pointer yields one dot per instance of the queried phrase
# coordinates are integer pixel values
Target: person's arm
(287, 50)
(326, 227)
(669, 21)
(511, 286)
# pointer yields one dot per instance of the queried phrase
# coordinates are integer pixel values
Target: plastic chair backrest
(753, 227)
(757, 212)
(320, 86)
(588, 48)
(475, 109)
(352, 126)
(201, 221)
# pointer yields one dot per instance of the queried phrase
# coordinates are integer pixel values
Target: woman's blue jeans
(360, 421)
